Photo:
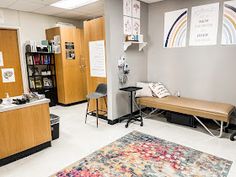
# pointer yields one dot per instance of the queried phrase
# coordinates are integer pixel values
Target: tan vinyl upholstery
(205, 109)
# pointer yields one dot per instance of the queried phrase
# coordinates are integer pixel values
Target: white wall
(31, 27)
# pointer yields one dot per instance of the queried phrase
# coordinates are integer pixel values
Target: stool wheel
(141, 124)
(232, 137)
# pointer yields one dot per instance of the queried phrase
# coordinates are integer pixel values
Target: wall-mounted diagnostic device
(123, 70)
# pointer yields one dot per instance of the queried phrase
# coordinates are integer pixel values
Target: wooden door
(79, 36)
(11, 59)
(94, 30)
(71, 68)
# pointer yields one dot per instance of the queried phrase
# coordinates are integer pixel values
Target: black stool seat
(95, 95)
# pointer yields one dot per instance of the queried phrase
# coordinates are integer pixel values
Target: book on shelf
(38, 83)
(31, 71)
(45, 59)
(37, 59)
(30, 60)
(32, 84)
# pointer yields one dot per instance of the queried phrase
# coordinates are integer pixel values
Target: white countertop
(4, 107)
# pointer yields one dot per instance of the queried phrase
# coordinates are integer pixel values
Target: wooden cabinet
(24, 128)
(71, 76)
(94, 30)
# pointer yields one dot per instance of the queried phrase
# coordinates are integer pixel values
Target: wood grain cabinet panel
(23, 129)
(94, 30)
(71, 80)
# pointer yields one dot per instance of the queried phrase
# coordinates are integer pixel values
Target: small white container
(140, 38)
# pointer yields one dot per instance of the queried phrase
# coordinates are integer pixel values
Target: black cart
(131, 117)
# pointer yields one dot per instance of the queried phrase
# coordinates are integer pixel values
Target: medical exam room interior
(117, 88)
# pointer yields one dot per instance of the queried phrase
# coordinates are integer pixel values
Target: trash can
(55, 122)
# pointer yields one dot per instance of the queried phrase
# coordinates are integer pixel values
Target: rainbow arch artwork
(175, 28)
(229, 23)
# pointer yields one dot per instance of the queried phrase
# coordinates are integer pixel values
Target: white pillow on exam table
(159, 90)
(145, 92)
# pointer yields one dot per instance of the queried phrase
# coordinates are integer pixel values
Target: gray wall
(206, 72)
(118, 102)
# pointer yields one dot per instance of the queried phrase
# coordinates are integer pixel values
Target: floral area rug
(141, 155)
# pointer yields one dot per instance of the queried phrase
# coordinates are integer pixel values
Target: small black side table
(132, 117)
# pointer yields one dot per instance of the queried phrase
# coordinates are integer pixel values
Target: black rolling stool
(131, 116)
(101, 92)
(232, 137)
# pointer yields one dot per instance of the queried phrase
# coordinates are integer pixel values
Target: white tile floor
(78, 140)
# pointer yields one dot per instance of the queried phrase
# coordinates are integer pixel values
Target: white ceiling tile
(43, 7)
(67, 14)
(6, 3)
(46, 2)
(49, 10)
(151, 1)
(25, 6)
(91, 7)
(80, 17)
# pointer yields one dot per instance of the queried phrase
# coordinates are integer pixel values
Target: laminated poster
(229, 23)
(8, 75)
(97, 59)
(175, 28)
(204, 25)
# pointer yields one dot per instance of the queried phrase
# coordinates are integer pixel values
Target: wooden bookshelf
(42, 74)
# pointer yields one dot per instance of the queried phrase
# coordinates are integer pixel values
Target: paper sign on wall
(229, 23)
(127, 7)
(131, 18)
(8, 75)
(97, 59)
(136, 9)
(57, 39)
(127, 25)
(175, 28)
(1, 59)
(204, 25)
(136, 26)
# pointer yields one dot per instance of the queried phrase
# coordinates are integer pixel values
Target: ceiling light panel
(72, 4)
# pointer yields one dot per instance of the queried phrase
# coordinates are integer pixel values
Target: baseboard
(120, 119)
(113, 122)
(99, 116)
(72, 104)
(24, 154)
